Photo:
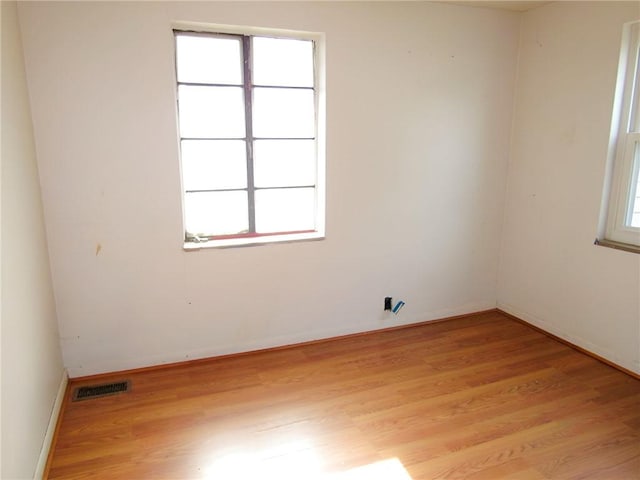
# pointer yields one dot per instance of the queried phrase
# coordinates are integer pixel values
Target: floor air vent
(95, 391)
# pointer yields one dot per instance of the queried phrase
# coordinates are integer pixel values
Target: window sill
(618, 245)
(253, 241)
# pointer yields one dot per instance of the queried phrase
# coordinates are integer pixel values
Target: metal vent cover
(103, 390)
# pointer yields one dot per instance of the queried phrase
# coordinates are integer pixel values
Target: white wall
(551, 274)
(31, 359)
(419, 103)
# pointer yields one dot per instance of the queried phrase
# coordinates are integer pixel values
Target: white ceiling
(513, 5)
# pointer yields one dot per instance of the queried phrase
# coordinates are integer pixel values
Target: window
(250, 138)
(622, 200)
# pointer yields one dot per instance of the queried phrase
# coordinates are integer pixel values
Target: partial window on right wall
(620, 222)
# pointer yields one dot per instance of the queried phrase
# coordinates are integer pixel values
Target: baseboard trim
(120, 373)
(572, 345)
(51, 435)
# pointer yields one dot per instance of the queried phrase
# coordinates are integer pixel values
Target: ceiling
(513, 5)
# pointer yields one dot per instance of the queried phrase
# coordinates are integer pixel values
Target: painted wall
(31, 359)
(419, 100)
(551, 274)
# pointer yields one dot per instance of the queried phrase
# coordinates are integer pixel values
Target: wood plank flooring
(483, 397)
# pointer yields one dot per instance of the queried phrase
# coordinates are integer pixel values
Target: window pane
(283, 113)
(285, 210)
(635, 215)
(284, 163)
(634, 191)
(282, 62)
(216, 213)
(214, 164)
(209, 59)
(211, 112)
(634, 115)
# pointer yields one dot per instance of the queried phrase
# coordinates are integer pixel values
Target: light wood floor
(483, 397)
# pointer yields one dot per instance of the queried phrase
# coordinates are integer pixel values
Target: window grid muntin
(248, 88)
(248, 115)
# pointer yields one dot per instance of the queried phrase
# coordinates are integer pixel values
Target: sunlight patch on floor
(285, 461)
(390, 469)
(296, 460)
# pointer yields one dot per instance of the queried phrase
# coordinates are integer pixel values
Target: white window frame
(624, 148)
(318, 38)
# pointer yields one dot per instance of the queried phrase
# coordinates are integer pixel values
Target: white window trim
(320, 86)
(622, 148)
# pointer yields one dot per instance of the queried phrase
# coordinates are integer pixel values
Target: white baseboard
(51, 428)
(405, 318)
(607, 354)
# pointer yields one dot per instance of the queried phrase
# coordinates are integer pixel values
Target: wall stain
(98, 249)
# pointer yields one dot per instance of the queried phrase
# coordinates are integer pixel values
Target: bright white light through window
(214, 164)
(248, 135)
(219, 213)
(634, 194)
(211, 112)
(278, 163)
(212, 60)
(285, 209)
(281, 63)
(283, 113)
